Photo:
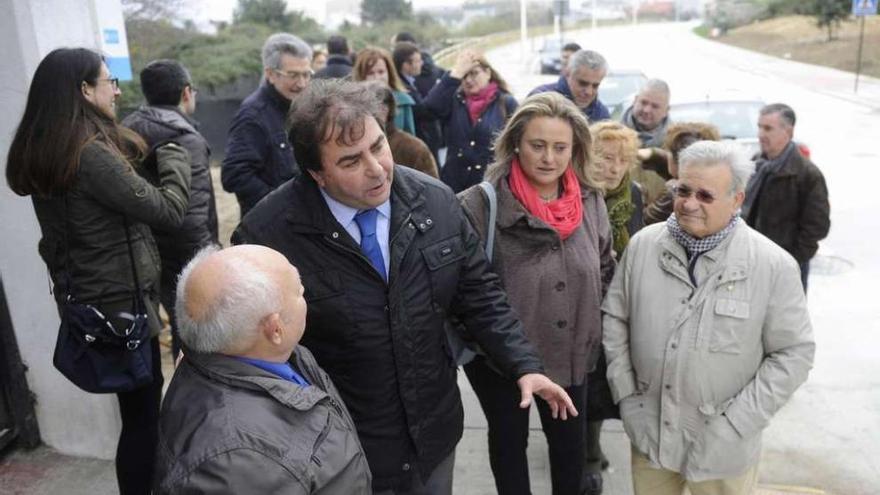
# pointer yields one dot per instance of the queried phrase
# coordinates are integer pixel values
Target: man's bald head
(227, 300)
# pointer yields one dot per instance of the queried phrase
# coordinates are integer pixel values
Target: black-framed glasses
(684, 191)
(114, 81)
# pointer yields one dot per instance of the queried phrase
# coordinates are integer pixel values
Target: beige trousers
(649, 480)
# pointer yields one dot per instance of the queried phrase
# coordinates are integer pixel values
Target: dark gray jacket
(384, 343)
(158, 124)
(230, 427)
(88, 224)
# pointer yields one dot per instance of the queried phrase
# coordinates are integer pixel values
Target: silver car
(736, 118)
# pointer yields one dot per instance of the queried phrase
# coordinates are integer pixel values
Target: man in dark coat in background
(339, 62)
(259, 156)
(167, 116)
(387, 258)
(408, 62)
(786, 198)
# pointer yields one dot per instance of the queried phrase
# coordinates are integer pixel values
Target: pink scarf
(564, 214)
(478, 102)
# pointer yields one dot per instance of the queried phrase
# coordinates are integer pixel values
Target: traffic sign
(864, 7)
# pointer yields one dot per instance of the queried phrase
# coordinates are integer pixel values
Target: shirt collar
(283, 370)
(345, 214)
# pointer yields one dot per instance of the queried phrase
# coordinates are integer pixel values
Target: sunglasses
(703, 196)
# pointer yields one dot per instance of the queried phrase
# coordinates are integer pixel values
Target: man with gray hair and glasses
(706, 333)
(580, 84)
(259, 156)
(249, 410)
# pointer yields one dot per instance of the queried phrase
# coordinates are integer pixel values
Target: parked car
(551, 55)
(619, 88)
(735, 116)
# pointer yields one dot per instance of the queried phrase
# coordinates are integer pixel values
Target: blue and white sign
(864, 7)
(111, 38)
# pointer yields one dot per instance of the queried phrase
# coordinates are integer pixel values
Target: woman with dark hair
(375, 64)
(474, 103)
(95, 212)
(552, 251)
(406, 149)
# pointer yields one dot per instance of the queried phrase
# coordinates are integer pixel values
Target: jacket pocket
(443, 262)
(728, 324)
(321, 285)
(634, 412)
(721, 451)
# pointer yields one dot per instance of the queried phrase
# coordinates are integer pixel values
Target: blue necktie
(366, 221)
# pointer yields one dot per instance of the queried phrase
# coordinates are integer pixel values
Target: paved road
(828, 436)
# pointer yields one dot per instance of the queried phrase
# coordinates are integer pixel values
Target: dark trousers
(136, 452)
(805, 273)
(509, 433)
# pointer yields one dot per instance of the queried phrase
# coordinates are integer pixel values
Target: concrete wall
(70, 420)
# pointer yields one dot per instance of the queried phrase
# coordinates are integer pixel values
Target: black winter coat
(259, 156)
(469, 144)
(792, 208)
(338, 67)
(384, 345)
(159, 124)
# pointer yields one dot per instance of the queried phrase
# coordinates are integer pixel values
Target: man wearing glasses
(259, 156)
(167, 116)
(706, 333)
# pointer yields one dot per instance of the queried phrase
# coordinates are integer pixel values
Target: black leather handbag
(98, 356)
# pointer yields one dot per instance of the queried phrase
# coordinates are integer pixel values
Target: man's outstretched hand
(559, 401)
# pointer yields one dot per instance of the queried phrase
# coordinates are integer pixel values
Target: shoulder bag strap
(137, 284)
(489, 189)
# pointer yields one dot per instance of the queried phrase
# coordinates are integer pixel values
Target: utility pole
(635, 12)
(523, 32)
(595, 21)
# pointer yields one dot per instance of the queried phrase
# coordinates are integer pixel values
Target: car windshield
(734, 119)
(552, 45)
(616, 88)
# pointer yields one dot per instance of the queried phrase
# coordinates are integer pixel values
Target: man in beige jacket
(706, 333)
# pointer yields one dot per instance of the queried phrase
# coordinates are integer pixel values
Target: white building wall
(70, 420)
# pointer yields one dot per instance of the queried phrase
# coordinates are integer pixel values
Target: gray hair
(786, 113)
(656, 85)
(281, 43)
(714, 153)
(587, 58)
(233, 317)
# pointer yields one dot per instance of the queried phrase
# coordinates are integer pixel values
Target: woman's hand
(467, 60)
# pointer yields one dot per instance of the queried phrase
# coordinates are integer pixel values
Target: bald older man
(248, 410)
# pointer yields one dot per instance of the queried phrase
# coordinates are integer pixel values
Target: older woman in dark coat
(473, 102)
(553, 253)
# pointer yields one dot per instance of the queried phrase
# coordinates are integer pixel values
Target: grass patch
(798, 38)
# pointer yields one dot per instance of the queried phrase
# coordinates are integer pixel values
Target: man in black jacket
(259, 157)
(387, 258)
(408, 62)
(167, 116)
(786, 198)
(339, 62)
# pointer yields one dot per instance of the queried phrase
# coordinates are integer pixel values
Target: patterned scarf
(478, 102)
(695, 246)
(620, 210)
(564, 214)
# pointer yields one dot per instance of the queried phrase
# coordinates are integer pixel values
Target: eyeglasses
(702, 195)
(304, 76)
(193, 89)
(114, 81)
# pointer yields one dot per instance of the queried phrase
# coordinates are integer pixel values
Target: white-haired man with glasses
(259, 156)
(706, 333)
